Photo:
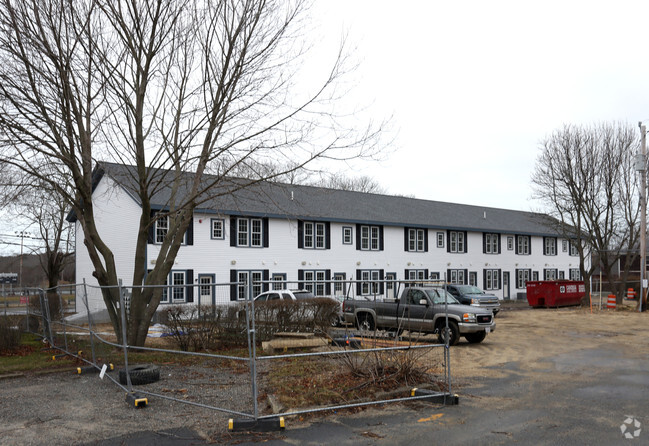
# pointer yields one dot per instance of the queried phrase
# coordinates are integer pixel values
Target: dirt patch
(64, 408)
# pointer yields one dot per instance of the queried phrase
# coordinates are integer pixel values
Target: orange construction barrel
(630, 294)
(610, 303)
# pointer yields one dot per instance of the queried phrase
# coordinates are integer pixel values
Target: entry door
(390, 280)
(506, 285)
(206, 289)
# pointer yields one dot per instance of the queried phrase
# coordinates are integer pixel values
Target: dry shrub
(9, 332)
(53, 302)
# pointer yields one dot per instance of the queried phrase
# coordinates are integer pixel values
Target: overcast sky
(474, 86)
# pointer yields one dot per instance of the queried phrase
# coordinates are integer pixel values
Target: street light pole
(641, 166)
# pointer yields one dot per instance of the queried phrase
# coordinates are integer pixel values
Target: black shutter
(382, 282)
(328, 236)
(233, 285)
(233, 233)
(499, 243)
(358, 237)
(151, 236)
(190, 232)
(466, 277)
(466, 242)
(529, 243)
(189, 282)
(358, 283)
(406, 245)
(406, 275)
(264, 223)
(500, 279)
(448, 276)
(425, 240)
(484, 242)
(300, 279)
(484, 279)
(426, 273)
(300, 234)
(380, 238)
(448, 241)
(328, 284)
(266, 278)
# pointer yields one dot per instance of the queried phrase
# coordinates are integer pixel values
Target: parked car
(284, 295)
(474, 296)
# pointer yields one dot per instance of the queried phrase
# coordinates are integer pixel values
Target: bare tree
(170, 87)
(584, 177)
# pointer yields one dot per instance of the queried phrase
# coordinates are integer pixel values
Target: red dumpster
(555, 293)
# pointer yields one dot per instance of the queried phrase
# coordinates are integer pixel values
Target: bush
(9, 332)
(54, 304)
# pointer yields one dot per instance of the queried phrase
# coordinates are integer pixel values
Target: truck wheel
(365, 323)
(475, 338)
(453, 333)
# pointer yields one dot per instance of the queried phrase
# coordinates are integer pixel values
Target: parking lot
(545, 376)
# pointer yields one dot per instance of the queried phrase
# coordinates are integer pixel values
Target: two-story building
(318, 238)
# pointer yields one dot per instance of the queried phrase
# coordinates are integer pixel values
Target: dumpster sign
(8, 277)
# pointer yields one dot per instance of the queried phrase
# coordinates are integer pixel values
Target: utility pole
(641, 166)
(22, 236)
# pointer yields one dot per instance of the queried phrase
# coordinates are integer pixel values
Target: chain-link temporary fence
(288, 352)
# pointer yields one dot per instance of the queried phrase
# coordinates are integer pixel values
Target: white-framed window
(206, 286)
(279, 281)
(161, 228)
(370, 282)
(492, 279)
(456, 241)
(491, 243)
(416, 240)
(564, 245)
(178, 289)
(522, 277)
(550, 274)
(440, 239)
(347, 235)
(562, 275)
(535, 275)
(314, 235)
(250, 232)
(549, 246)
(218, 229)
(573, 248)
(523, 245)
(473, 278)
(370, 238)
(417, 274)
(574, 274)
(510, 243)
(434, 276)
(315, 282)
(457, 276)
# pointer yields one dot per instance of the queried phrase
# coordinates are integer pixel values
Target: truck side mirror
(423, 302)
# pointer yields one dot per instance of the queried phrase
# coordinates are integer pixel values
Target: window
(416, 274)
(416, 240)
(313, 235)
(249, 232)
(549, 246)
(207, 283)
(176, 287)
(522, 277)
(550, 274)
(510, 243)
(315, 281)
(369, 238)
(456, 241)
(491, 243)
(457, 276)
(440, 239)
(491, 279)
(161, 228)
(473, 278)
(434, 276)
(564, 245)
(370, 282)
(574, 274)
(573, 248)
(279, 281)
(562, 275)
(347, 235)
(523, 245)
(218, 232)
(535, 275)
(242, 288)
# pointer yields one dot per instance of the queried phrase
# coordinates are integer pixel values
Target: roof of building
(236, 196)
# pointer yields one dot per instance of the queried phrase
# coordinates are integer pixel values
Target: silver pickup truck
(422, 309)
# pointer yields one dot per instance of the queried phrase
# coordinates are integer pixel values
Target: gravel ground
(67, 408)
